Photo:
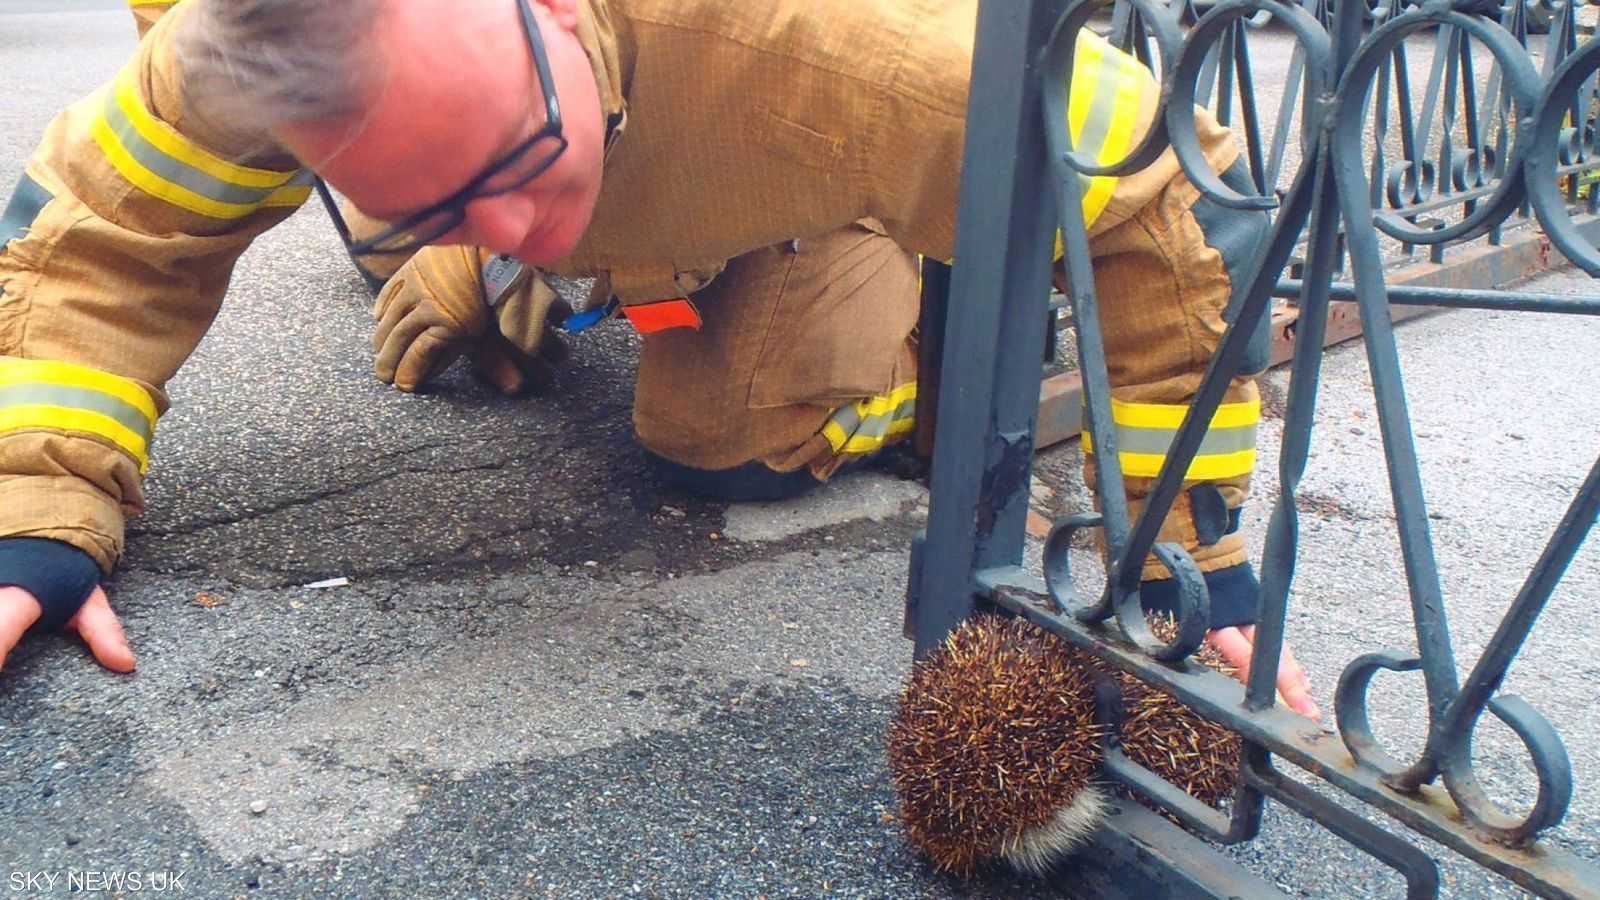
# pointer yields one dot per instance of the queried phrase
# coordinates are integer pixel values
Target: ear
(564, 12)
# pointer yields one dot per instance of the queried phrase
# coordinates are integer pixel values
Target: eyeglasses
(527, 161)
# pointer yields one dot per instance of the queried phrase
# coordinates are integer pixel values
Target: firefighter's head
(432, 113)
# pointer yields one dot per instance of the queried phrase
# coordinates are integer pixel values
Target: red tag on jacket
(662, 315)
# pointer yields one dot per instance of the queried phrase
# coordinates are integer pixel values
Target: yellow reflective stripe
(1201, 468)
(867, 425)
(1145, 430)
(16, 372)
(138, 3)
(890, 401)
(861, 443)
(1170, 416)
(1129, 82)
(158, 160)
(30, 418)
(1107, 93)
(291, 197)
(42, 394)
(168, 141)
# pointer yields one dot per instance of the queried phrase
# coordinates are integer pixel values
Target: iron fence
(1437, 135)
(1520, 148)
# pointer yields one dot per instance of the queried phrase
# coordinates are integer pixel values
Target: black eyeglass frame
(454, 207)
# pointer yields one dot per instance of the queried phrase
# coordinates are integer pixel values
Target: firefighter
(769, 172)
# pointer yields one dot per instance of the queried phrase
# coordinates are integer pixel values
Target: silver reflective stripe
(1156, 441)
(171, 170)
(79, 398)
(847, 431)
(1102, 109)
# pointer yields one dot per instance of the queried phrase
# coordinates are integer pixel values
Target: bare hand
(1237, 646)
(95, 624)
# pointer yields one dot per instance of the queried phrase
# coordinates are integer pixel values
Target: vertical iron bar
(1122, 20)
(1225, 67)
(1520, 20)
(1447, 141)
(1469, 109)
(1588, 97)
(1413, 180)
(1380, 132)
(1497, 100)
(1207, 82)
(1405, 481)
(931, 316)
(1403, 109)
(1286, 110)
(999, 289)
(1248, 114)
(1313, 195)
(1443, 43)
(1097, 421)
(1278, 558)
(1560, 42)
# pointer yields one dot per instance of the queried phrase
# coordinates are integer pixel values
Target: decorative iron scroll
(1453, 145)
(1523, 148)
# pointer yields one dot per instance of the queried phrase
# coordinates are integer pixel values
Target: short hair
(273, 62)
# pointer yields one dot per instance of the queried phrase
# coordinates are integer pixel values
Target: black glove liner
(59, 575)
(1235, 596)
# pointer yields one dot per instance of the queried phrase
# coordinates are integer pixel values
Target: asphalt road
(549, 677)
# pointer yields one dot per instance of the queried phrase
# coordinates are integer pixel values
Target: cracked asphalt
(548, 677)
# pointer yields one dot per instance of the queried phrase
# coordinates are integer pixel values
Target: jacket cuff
(62, 508)
(58, 575)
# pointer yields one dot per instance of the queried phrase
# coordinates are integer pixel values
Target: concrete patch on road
(864, 495)
(586, 665)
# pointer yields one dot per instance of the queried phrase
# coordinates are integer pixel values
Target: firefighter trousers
(807, 361)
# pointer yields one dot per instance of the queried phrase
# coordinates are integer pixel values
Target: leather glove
(521, 349)
(436, 307)
(429, 313)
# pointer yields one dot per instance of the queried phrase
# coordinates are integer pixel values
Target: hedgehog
(1162, 734)
(994, 749)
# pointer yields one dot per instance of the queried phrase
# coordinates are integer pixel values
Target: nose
(500, 223)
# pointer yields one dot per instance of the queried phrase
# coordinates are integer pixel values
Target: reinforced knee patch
(27, 200)
(1237, 234)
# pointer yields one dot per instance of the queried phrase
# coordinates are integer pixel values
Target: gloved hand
(435, 307)
(521, 349)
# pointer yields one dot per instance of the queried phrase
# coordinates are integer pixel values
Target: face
(455, 91)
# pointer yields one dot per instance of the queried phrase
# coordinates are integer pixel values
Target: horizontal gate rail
(1500, 136)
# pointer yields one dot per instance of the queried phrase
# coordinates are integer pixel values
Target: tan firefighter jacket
(740, 125)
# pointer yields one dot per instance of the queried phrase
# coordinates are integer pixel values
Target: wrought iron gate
(1534, 163)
